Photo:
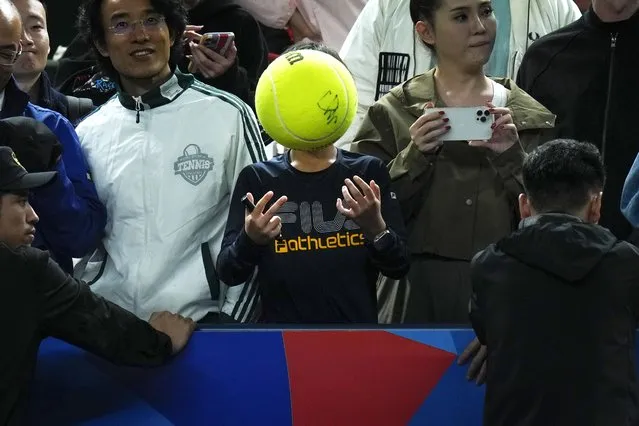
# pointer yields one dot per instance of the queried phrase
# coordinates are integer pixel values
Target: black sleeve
(394, 260)
(527, 73)
(521, 74)
(239, 255)
(252, 50)
(70, 311)
(475, 306)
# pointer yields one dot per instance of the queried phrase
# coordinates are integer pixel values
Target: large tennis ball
(306, 99)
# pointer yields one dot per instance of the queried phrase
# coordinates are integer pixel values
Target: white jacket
(166, 182)
(386, 26)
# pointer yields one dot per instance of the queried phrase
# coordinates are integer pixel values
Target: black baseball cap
(14, 177)
(34, 144)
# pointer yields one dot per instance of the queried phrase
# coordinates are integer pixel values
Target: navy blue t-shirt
(322, 270)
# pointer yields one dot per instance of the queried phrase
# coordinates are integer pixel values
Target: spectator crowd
(141, 195)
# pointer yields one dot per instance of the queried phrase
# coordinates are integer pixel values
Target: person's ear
(426, 32)
(594, 208)
(102, 49)
(524, 206)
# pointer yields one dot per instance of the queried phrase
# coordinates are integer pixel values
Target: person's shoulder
(23, 257)
(100, 116)
(489, 259)
(555, 42)
(625, 252)
(272, 168)
(100, 110)
(358, 161)
(621, 262)
(51, 118)
(222, 99)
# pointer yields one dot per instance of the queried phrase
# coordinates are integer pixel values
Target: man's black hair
(562, 175)
(91, 30)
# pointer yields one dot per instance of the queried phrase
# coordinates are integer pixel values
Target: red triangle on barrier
(352, 378)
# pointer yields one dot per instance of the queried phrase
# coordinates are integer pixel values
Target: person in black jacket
(557, 302)
(586, 74)
(39, 300)
(252, 50)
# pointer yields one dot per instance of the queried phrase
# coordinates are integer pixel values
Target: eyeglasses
(9, 57)
(124, 27)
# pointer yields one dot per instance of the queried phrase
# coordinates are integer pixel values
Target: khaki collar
(527, 112)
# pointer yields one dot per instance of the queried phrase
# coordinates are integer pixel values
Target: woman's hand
(505, 133)
(206, 61)
(426, 130)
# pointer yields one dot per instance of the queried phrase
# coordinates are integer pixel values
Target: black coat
(557, 304)
(586, 74)
(39, 300)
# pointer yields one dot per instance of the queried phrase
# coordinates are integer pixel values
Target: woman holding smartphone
(457, 196)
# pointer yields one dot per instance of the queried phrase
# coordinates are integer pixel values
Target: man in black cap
(39, 300)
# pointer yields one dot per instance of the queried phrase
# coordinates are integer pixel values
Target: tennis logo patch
(194, 165)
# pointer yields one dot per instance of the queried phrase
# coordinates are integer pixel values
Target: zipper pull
(138, 107)
(613, 40)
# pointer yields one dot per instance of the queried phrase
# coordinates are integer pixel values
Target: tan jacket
(459, 200)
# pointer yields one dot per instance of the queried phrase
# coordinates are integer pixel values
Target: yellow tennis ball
(306, 99)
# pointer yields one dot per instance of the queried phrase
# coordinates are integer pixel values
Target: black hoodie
(557, 304)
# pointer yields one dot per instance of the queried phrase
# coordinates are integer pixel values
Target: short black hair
(312, 45)
(91, 30)
(562, 175)
(424, 10)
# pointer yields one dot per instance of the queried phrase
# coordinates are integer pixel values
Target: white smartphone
(467, 123)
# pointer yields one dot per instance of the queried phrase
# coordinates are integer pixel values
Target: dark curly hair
(91, 30)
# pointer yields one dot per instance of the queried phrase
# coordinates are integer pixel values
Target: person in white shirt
(165, 154)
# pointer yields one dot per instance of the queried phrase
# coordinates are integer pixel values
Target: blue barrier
(239, 377)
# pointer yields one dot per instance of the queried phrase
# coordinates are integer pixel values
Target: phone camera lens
(483, 119)
(479, 113)
(486, 113)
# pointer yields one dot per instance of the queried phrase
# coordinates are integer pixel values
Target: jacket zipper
(604, 136)
(138, 107)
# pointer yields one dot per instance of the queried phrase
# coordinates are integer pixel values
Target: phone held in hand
(468, 123)
(218, 42)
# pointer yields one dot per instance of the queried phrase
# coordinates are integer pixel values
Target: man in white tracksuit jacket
(164, 162)
(384, 30)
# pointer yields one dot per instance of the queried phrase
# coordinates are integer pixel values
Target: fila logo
(311, 216)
